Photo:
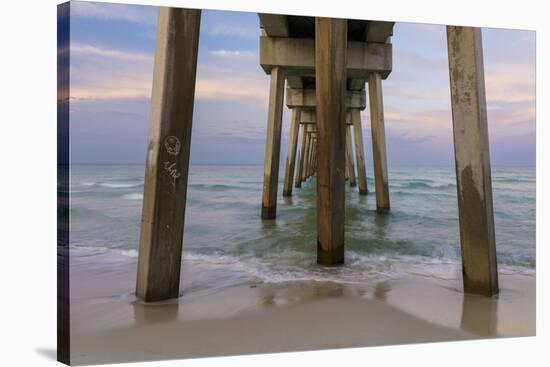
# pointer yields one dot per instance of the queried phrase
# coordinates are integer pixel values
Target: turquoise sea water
(223, 226)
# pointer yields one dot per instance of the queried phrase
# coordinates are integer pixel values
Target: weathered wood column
(349, 154)
(379, 144)
(273, 144)
(473, 165)
(359, 151)
(330, 77)
(167, 163)
(292, 147)
(299, 169)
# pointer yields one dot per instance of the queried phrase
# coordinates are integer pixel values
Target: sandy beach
(109, 325)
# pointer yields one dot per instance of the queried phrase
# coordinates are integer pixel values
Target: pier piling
(306, 153)
(301, 155)
(378, 143)
(273, 143)
(330, 74)
(349, 156)
(473, 165)
(167, 163)
(359, 151)
(292, 147)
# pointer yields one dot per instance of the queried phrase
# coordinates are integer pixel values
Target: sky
(112, 51)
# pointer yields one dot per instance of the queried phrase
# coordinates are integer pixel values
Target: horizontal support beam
(294, 81)
(379, 31)
(305, 98)
(356, 84)
(274, 25)
(297, 56)
(309, 117)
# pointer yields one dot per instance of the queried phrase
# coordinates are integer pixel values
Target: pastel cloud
(235, 89)
(79, 49)
(416, 95)
(111, 12)
(232, 30)
(105, 73)
(235, 54)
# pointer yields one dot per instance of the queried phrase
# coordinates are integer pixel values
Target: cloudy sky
(112, 48)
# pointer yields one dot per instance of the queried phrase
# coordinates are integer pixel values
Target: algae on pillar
(473, 164)
(167, 163)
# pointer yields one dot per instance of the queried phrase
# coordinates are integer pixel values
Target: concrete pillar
(292, 147)
(473, 166)
(346, 173)
(310, 151)
(359, 151)
(299, 169)
(313, 152)
(349, 154)
(167, 163)
(312, 157)
(378, 144)
(273, 144)
(330, 78)
(306, 153)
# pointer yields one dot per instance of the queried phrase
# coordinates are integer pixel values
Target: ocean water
(223, 229)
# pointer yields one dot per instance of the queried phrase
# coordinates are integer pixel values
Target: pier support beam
(349, 155)
(292, 147)
(273, 143)
(167, 164)
(359, 151)
(330, 77)
(301, 155)
(379, 144)
(473, 166)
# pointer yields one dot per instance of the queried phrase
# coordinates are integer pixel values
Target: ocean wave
(290, 266)
(120, 185)
(423, 185)
(423, 193)
(514, 179)
(133, 196)
(216, 187)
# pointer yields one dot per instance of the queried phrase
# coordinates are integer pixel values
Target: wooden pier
(328, 66)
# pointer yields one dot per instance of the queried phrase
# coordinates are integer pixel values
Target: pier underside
(328, 65)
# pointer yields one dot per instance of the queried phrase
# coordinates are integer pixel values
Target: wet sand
(108, 325)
